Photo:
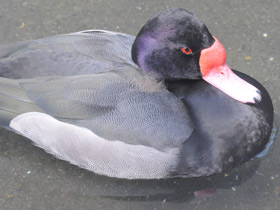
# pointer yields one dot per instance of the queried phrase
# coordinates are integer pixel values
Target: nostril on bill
(258, 97)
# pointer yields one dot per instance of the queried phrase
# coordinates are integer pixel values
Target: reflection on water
(182, 190)
(269, 144)
(176, 190)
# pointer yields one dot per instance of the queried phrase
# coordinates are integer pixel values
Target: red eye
(186, 50)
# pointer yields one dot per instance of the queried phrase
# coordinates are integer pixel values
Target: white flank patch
(80, 146)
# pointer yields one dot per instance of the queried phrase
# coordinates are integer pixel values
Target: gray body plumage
(85, 52)
(86, 102)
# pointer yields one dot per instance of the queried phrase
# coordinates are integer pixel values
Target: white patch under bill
(80, 146)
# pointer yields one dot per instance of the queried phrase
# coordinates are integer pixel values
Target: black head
(169, 45)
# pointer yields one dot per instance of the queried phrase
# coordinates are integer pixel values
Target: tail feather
(5, 118)
(8, 49)
(13, 101)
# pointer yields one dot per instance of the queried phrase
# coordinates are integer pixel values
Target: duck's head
(175, 44)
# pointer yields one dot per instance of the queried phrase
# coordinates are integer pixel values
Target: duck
(160, 105)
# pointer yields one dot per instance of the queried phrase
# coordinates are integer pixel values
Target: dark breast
(226, 132)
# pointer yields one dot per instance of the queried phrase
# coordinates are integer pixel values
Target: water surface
(32, 179)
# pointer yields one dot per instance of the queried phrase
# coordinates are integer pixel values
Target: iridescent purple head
(157, 48)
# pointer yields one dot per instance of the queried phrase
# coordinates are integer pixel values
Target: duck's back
(85, 52)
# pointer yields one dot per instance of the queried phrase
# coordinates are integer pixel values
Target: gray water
(32, 179)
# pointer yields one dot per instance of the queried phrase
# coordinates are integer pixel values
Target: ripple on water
(269, 144)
